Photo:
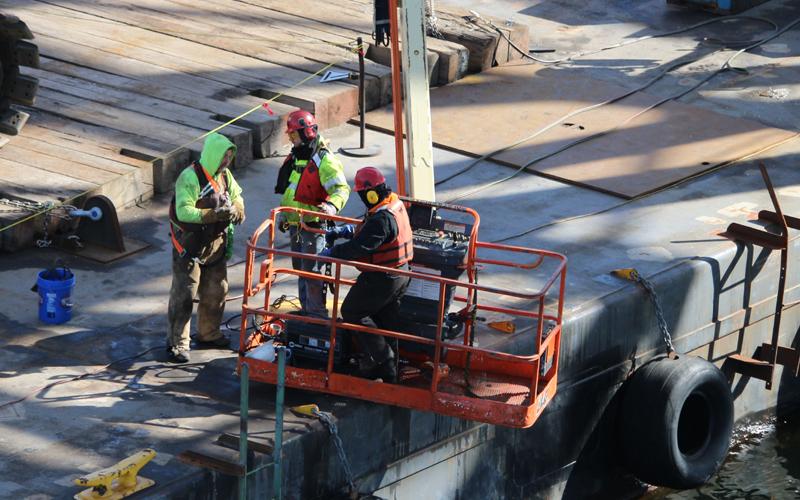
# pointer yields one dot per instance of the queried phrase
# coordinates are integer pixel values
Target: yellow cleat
(306, 410)
(119, 480)
(503, 326)
(628, 273)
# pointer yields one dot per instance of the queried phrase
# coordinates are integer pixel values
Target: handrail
(411, 274)
(398, 335)
(442, 281)
(540, 382)
(498, 246)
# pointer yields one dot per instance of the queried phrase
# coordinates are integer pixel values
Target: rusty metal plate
(488, 111)
(483, 385)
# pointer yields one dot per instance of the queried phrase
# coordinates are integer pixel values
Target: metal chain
(49, 208)
(662, 323)
(431, 21)
(35, 206)
(327, 420)
(25, 206)
(44, 241)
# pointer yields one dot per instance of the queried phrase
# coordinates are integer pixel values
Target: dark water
(764, 463)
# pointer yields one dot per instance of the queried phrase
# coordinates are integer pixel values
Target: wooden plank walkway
(125, 92)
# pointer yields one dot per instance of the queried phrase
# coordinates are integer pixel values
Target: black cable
(276, 304)
(560, 120)
(724, 67)
(609, 101)
(79, 377)
(725, 43)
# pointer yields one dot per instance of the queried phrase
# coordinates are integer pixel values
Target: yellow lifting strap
(118, 481)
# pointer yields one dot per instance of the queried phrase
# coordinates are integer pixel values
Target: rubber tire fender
(676, 421)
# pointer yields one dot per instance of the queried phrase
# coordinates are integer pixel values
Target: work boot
(178, 355)
(217, 343)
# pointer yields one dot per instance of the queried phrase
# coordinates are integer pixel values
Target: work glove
(224, 213)
(326, 252)
(327, 208)
(212, 216)
(345, 231)
(237, 212)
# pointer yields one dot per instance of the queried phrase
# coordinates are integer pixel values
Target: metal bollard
(244, 410)
(276, 451)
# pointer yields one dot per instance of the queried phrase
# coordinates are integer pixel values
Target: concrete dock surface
(671, 237)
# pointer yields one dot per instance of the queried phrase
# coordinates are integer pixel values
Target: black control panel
(438, 243)
(312, 342)
(440, 249)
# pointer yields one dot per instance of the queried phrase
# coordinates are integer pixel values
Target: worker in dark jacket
(383, 239)
(311, 178)
(207, 204)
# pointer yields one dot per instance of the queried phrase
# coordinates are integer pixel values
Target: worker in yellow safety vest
(311, 178)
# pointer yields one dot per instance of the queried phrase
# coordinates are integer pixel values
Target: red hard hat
(302, 120)
(369, 177)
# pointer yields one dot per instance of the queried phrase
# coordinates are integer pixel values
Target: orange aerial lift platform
(443, 370)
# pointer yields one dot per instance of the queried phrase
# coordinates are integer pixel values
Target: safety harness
(213, 194)
(309, 189)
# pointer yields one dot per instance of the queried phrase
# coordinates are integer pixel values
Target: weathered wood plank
(147, 106)
(454, 26)
(300, 37)
(105, 155)
(122, 181)
(171, 42)
(142, 77)
(163, 159)
(173, 135)
(339, 17)
(227, 466)
(121, 188)
(69, 155)
(56, 164)
(261, 125)
(100, 54)
(29, 182)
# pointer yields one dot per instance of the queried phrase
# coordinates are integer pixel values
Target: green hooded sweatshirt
(187, 187)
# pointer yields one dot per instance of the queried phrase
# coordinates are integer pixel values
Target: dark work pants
(190, 279)
(377, 296)
(310, 292)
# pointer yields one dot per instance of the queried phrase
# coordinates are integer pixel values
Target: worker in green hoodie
(207, 204)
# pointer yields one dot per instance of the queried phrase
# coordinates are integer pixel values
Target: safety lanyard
(212, 184)
(175, 242)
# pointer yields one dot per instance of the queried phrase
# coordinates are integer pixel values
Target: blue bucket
(55, 290)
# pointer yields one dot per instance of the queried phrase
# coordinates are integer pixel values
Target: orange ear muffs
(372, 197)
